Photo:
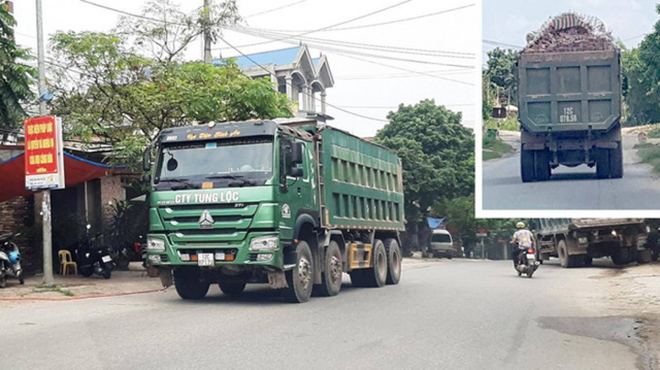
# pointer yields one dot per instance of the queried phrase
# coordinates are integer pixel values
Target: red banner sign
(43, 154)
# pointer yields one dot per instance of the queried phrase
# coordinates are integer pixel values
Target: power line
(638, 36)
(399, 75)
(129, 14)
(497, 43)
(312, 96)
(275, 9)
(393, 21)
(336, 50)
(387, 48)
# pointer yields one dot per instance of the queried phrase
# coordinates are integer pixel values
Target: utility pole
(45, 203)
(207, 32)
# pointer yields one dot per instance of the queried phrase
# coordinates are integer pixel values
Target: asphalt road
(571, 188)
(443, 315)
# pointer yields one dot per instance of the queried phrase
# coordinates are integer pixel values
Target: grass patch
(509, 124)
(650, 154)
(654, 134)
(52, 288)
(494, 148)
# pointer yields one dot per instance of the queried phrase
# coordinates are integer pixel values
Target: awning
(76, 171)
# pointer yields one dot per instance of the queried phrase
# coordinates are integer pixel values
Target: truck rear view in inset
(569, 86)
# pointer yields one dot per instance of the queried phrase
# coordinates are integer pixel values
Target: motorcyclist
(522, 239)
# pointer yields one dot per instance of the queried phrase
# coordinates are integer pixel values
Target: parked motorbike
(93, 257)
(10, 260)
(527, 262)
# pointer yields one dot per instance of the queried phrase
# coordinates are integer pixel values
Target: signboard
(44, 156)
(499, 112)
(481, 232)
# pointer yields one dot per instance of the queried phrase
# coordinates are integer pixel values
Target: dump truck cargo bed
(570, 91)
(361, 185)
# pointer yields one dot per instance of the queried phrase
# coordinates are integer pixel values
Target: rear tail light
(530, 250)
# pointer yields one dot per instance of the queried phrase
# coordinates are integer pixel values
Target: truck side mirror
(146, 159)
(297, 153)
(296, 172)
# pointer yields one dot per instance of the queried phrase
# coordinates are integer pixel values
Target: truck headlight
(265, 243)
(155, 244)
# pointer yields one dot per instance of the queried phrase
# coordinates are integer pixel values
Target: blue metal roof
(316, 61)
(277, 57)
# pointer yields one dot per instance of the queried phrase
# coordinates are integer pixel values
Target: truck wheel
(3, 281)
(562, 252)
(541, 165)
(526, 165)
(332, 274)
(301, 278)
(602, 163)
(190, 284)
(644, 256)
(616, 162)
(232, 287)
(376, 275)
(620, 256)
(393, 261)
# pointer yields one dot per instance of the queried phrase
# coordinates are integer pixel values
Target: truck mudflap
(166, 277)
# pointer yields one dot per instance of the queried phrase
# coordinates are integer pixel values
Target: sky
(509, 21)
(361, 87)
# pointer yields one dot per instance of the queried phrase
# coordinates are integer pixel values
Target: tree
(16, 77)
(107, 89)
(437, 155)
(641, 71)
(502, 73)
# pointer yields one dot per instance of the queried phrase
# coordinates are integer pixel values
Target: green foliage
(650, 154)
(126, 99)
(654, 133)
(641, 73)
(509, 124)
(501, 73)
(437, 154)
(494, 148)
(16, 77)
(129, 221)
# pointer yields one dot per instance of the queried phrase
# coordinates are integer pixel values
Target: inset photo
(570, 106)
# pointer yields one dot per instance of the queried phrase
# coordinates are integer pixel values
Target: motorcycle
(527, 262)
(94, 258)
(10, 260)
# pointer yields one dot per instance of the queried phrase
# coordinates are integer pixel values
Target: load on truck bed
(576, 241)
(569, 91)
(258, 202)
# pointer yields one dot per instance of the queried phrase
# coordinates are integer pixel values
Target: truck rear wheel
(541, 165)
(602, 163)
(393, 261)
(620, 256)
(232, 287)
(526, 165)
(190, 284)
(332, 272)
(616, 162)
(301, 278)
(376, 275)
(566, 260)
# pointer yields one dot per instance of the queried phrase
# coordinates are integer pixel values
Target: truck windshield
(440, 238)
(230, 163)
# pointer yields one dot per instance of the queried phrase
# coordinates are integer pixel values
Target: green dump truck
(569, 91)
(576, 242)
(258, 202)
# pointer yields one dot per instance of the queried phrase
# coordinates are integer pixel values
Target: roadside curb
(93, 296)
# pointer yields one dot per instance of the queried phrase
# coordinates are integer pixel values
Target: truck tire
(541, 165)
(620, 256)
(189, 284)
(301, 278)
(376, 275)
(393, 261)
(616, 162)
(232, 287)
(527, 165)
(644, 256)
(562, 253)
(332, 272)
(602, 163)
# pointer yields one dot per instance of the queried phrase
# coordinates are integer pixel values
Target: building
(295, 73)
